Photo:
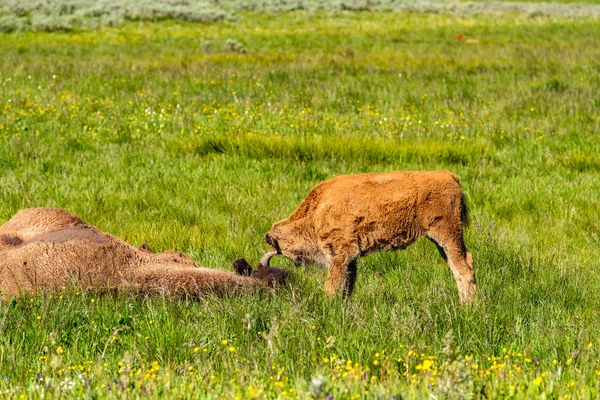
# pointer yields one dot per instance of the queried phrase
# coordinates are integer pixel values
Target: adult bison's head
(271, 276)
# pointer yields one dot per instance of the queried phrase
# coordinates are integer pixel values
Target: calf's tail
(464, 206)
(464, 211)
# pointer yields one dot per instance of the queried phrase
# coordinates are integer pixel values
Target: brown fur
(351, 216)
(45, 249)
(271, 275)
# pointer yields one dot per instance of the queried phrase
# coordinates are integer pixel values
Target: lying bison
(45, 249)
(355, 215)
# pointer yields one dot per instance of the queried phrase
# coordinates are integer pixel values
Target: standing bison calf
(351, 216)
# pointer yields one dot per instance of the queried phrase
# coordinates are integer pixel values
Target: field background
(197, 136)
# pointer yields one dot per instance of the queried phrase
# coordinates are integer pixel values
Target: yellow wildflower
(427, 364)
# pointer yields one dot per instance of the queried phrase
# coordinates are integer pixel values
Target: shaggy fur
(271, 275)
(45, 249)
(355, 215)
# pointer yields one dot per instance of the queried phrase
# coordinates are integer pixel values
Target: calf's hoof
(467, 294)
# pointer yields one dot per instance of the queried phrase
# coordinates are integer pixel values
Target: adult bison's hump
(86, 233)
(81, 255)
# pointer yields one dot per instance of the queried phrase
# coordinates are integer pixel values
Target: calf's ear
(242, 267)
(271, 241)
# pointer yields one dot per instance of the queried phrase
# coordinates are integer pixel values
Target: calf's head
(291, 241)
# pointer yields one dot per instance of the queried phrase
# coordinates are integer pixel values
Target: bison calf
(351, 216)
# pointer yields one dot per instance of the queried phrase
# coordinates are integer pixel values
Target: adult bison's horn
(266, 259)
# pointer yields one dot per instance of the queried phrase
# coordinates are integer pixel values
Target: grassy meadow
(198, 136)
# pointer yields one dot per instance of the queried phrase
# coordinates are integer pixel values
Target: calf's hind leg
(452, 248)
(440, 250)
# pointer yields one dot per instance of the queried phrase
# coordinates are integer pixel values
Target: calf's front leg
(341, 274)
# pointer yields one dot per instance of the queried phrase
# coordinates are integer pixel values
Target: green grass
(163, 132)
